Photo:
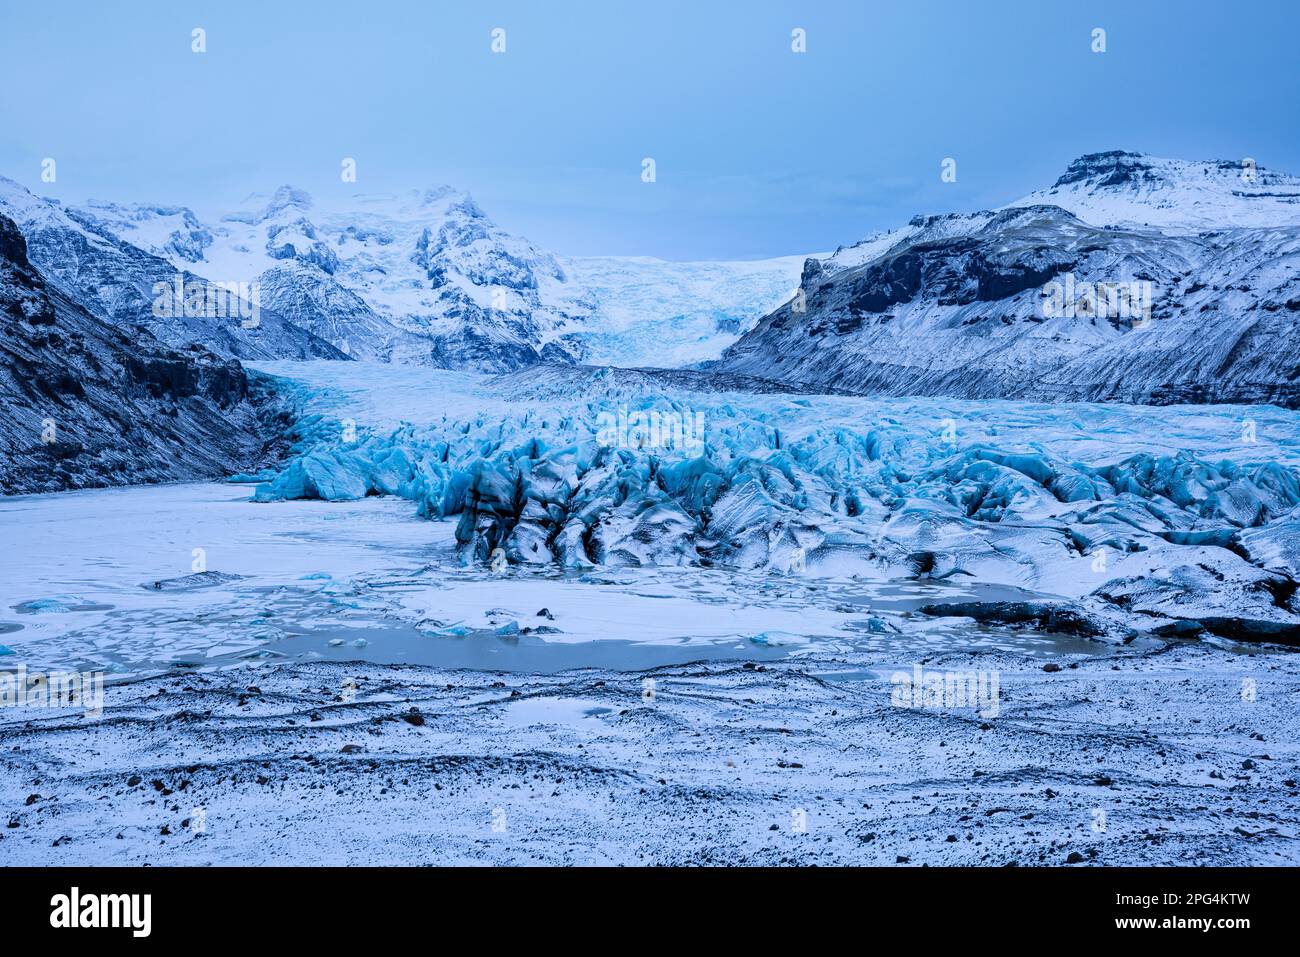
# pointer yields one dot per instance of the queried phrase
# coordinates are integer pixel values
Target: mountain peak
(1110, 168)
(1125, 188)
(433, 195)
(288, 197)
(258, 207)
(20, 203)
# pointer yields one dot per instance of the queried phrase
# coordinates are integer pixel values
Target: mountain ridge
(424, 277)
(957, 304)
(119, 283)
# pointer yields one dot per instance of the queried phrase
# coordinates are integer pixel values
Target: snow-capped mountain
(427, 278)
(1132, 279)
(424, 278)
(118, 282)
(85, 404)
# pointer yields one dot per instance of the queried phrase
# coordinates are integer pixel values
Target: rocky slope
(84, 404)
(967, 306)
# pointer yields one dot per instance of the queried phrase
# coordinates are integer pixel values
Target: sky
(758, 150)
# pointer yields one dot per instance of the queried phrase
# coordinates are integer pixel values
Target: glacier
(1183, 521)
(652, 312)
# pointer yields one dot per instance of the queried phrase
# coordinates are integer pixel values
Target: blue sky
(759, 151)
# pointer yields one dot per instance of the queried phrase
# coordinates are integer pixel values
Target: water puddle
(547, 711)
(403, 644)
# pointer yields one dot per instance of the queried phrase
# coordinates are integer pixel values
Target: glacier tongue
(1139, 519)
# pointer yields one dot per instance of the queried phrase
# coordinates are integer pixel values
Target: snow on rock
(424, 277)
(84, 403)
(1134, 279)
(1134, 189)
(82, 258)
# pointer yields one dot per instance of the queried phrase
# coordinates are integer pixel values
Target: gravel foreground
(1156, 757)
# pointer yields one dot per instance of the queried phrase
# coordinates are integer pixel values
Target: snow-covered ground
(1134, 758)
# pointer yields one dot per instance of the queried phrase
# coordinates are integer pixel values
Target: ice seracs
(650, 312)
(1124, 520)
